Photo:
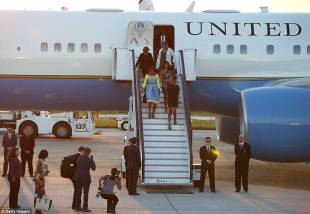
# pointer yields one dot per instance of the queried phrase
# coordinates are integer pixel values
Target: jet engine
(276, 122)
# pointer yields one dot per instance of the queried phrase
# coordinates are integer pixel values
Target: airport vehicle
(250, 69)
(62, 125)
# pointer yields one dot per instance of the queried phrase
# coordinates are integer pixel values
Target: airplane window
(70, 47)
(243, 49)
(270, 49)
(308, 50)
(57, 47)
(230, 49)
(97, 48)
(44, 47)
(217, 49)
(297, 49)
(84, 47)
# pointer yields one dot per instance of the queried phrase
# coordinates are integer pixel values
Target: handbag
(43, 204)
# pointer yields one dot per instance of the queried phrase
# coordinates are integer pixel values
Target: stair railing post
(182, 75)
(138, 111)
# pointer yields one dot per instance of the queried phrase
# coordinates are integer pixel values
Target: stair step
(161, 116)
(178, 144)
(149, 161)
(160, 105)
(161, 99)
(166, 174)
(162, 127)
(165, 138)
(166, 168)
(160, 110)
(180, 181)
(171, 169)
(164, 133)
(164, 150)
(167, 156)
(157, 121)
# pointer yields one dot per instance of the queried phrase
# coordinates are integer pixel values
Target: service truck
(62, 125)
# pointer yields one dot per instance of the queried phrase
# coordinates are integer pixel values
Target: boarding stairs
(166, 154)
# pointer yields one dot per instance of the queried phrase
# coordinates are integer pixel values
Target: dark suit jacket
(6, 142)
(84, 164)
(205, 155)
(242, 155)
(26, 143)
(132, 157)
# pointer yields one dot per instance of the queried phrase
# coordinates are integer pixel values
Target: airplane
(251, 69)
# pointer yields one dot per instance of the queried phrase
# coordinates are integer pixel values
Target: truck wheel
(62, 131)
(124, 125)
(29, 128)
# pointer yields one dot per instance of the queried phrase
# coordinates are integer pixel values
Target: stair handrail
(139, 123)
(182, 74)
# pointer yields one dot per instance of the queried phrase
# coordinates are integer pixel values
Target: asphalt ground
(285, 179)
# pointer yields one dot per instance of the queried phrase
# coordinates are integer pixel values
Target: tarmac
(273, 188)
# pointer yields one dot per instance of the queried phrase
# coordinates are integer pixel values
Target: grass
(203, 124)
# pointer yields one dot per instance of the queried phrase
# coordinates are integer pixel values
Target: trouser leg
(30, 166)
(237, 177)
(23, 164)
(14, 190)
(202, 177)
(135, 180)
(85, 194)
(245, 173)
(129, 179)
(74, 194)
(78, 195)
(211, 177)
(5, 163)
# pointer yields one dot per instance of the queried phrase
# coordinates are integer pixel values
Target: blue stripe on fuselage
(218, 96)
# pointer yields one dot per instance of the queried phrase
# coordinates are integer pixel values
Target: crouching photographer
(106, 186)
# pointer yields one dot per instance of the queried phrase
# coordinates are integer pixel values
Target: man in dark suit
(208, 155)
(82, 178)
(27, 144)
(133, 164)
(9, 141)
(243, 155)
(75, 157)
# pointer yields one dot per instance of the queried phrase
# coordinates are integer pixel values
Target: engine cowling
(228, 129)
(276, 122)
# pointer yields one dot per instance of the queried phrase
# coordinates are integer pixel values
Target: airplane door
(140, 35)
(162, 33)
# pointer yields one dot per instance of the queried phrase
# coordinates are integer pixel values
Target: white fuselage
(22, 33)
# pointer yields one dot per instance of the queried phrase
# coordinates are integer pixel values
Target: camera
(98, 194)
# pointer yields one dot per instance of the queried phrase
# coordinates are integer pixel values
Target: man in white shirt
(165, 54)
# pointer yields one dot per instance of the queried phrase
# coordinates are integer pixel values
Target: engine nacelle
(276, 122)
(228, 129)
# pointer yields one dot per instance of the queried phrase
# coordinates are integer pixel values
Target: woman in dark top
(106, 189)
(145, 60)
(173, 100)
(27, 146)
(14, 177)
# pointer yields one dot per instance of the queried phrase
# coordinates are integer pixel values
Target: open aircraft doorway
(162, 33)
